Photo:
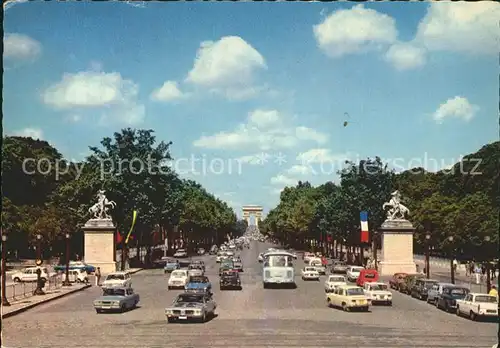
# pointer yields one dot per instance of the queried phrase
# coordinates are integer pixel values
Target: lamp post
(427, 252)
(66, 280)
(452, 266)
(488, 276)
(5, 302)
(39, 246)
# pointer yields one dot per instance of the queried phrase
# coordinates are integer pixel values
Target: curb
(24, 309)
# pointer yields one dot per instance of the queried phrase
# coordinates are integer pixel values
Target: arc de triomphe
(255, 210)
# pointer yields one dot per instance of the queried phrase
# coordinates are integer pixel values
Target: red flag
(365, 237)
(119, 237)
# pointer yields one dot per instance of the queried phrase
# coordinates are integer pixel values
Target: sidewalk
(20, 306)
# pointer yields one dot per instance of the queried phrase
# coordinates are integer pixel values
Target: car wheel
(170, 320)
(204, 317)
(458, 312)
(344, 307)
(329, 303)
(78, 281)
(17, 280)
(98, 311)
(389, 303)
(472, 316)
(123, 308)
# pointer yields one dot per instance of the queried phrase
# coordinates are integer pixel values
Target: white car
(229, 253)
(476, 305)
(308, 257)
(181, 253)
(378, 293)
(29, 274)
(232, 246)
(260, 258)
(117, 279)
(316, 263)
(221, 255)
(353, 273)
(194, 271)
(178, 279)
(333, 281)
(77, 276)
(310, 273)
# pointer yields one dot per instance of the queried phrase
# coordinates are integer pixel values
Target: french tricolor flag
(365, 236)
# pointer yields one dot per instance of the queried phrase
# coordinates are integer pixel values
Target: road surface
(253, 317)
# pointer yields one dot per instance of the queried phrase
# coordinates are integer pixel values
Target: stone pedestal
(397, 247)
(99, 249)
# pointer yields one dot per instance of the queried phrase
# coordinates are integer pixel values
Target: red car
(367, 276)
(397, 278)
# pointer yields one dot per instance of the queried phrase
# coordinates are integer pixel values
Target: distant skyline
(256, 96)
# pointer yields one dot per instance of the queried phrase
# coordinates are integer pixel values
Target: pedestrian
(493, 291)
(98, 276)
(455, 266)
(478, 272)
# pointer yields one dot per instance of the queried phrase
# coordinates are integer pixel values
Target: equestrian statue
(397, 211)
(100, 210)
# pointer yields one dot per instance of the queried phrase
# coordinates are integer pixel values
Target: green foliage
(461, 202)
(132, 167)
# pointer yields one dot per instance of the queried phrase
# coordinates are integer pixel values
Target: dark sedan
(230, 280)
(447, 300)
(421, 288)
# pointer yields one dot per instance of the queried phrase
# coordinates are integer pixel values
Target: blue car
(76, 265)
(199, 284)
(171, 265)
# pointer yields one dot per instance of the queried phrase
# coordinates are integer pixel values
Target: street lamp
(487, 240)
(4, 256)
(452, 266)
(66, 280)
(427, 256)
(39, 246)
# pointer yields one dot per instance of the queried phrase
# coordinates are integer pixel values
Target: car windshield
(356, 269)
(377, 287)
(486, 299)
(370, 275)
(178, 274)
(355, 291)
(337, 279)
(277, 261)
(115, 277)
(310, 269)
(198, 280)
(189, 298)
(113, 292)
(194, 267)
(458, 292)
(230, 275)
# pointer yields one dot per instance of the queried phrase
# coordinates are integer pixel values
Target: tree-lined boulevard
(253, 317)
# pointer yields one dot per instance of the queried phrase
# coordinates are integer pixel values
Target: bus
(278, 269)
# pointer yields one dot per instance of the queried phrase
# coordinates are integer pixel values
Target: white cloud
(283, 180)
(169, 91)
(256, 159)
(300, 169)
(457, 107)
(257, 132)
(405, 56)
(227, 67)
(20, 47)
(93, 89)
(35, 133)
(354, 30)
(74, 118)
(322, 155)
(461, 26)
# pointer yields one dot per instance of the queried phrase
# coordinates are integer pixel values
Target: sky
(255, 96)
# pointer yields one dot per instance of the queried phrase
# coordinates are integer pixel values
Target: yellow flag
(134, 217)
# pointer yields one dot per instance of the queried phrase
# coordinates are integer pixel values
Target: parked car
(407, 284)
(178, 279)
(230, 280)
(348, 297)
(421, 287)
(213, 250)
(378, 293)
(476, 305)
(181, 253)
(77, 276)
(339, 267)
(436, 290)
(189, 306)
(171, 265)
(201, 251)
(367, 276)
(116, 299)
(333, 281)
(448, 298)
(353, 273)
(117, 279)
(29, 274)
(199, 284)
(396, 279)
(310, 273)
(76, 265)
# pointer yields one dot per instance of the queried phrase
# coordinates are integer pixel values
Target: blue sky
(260, 91)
